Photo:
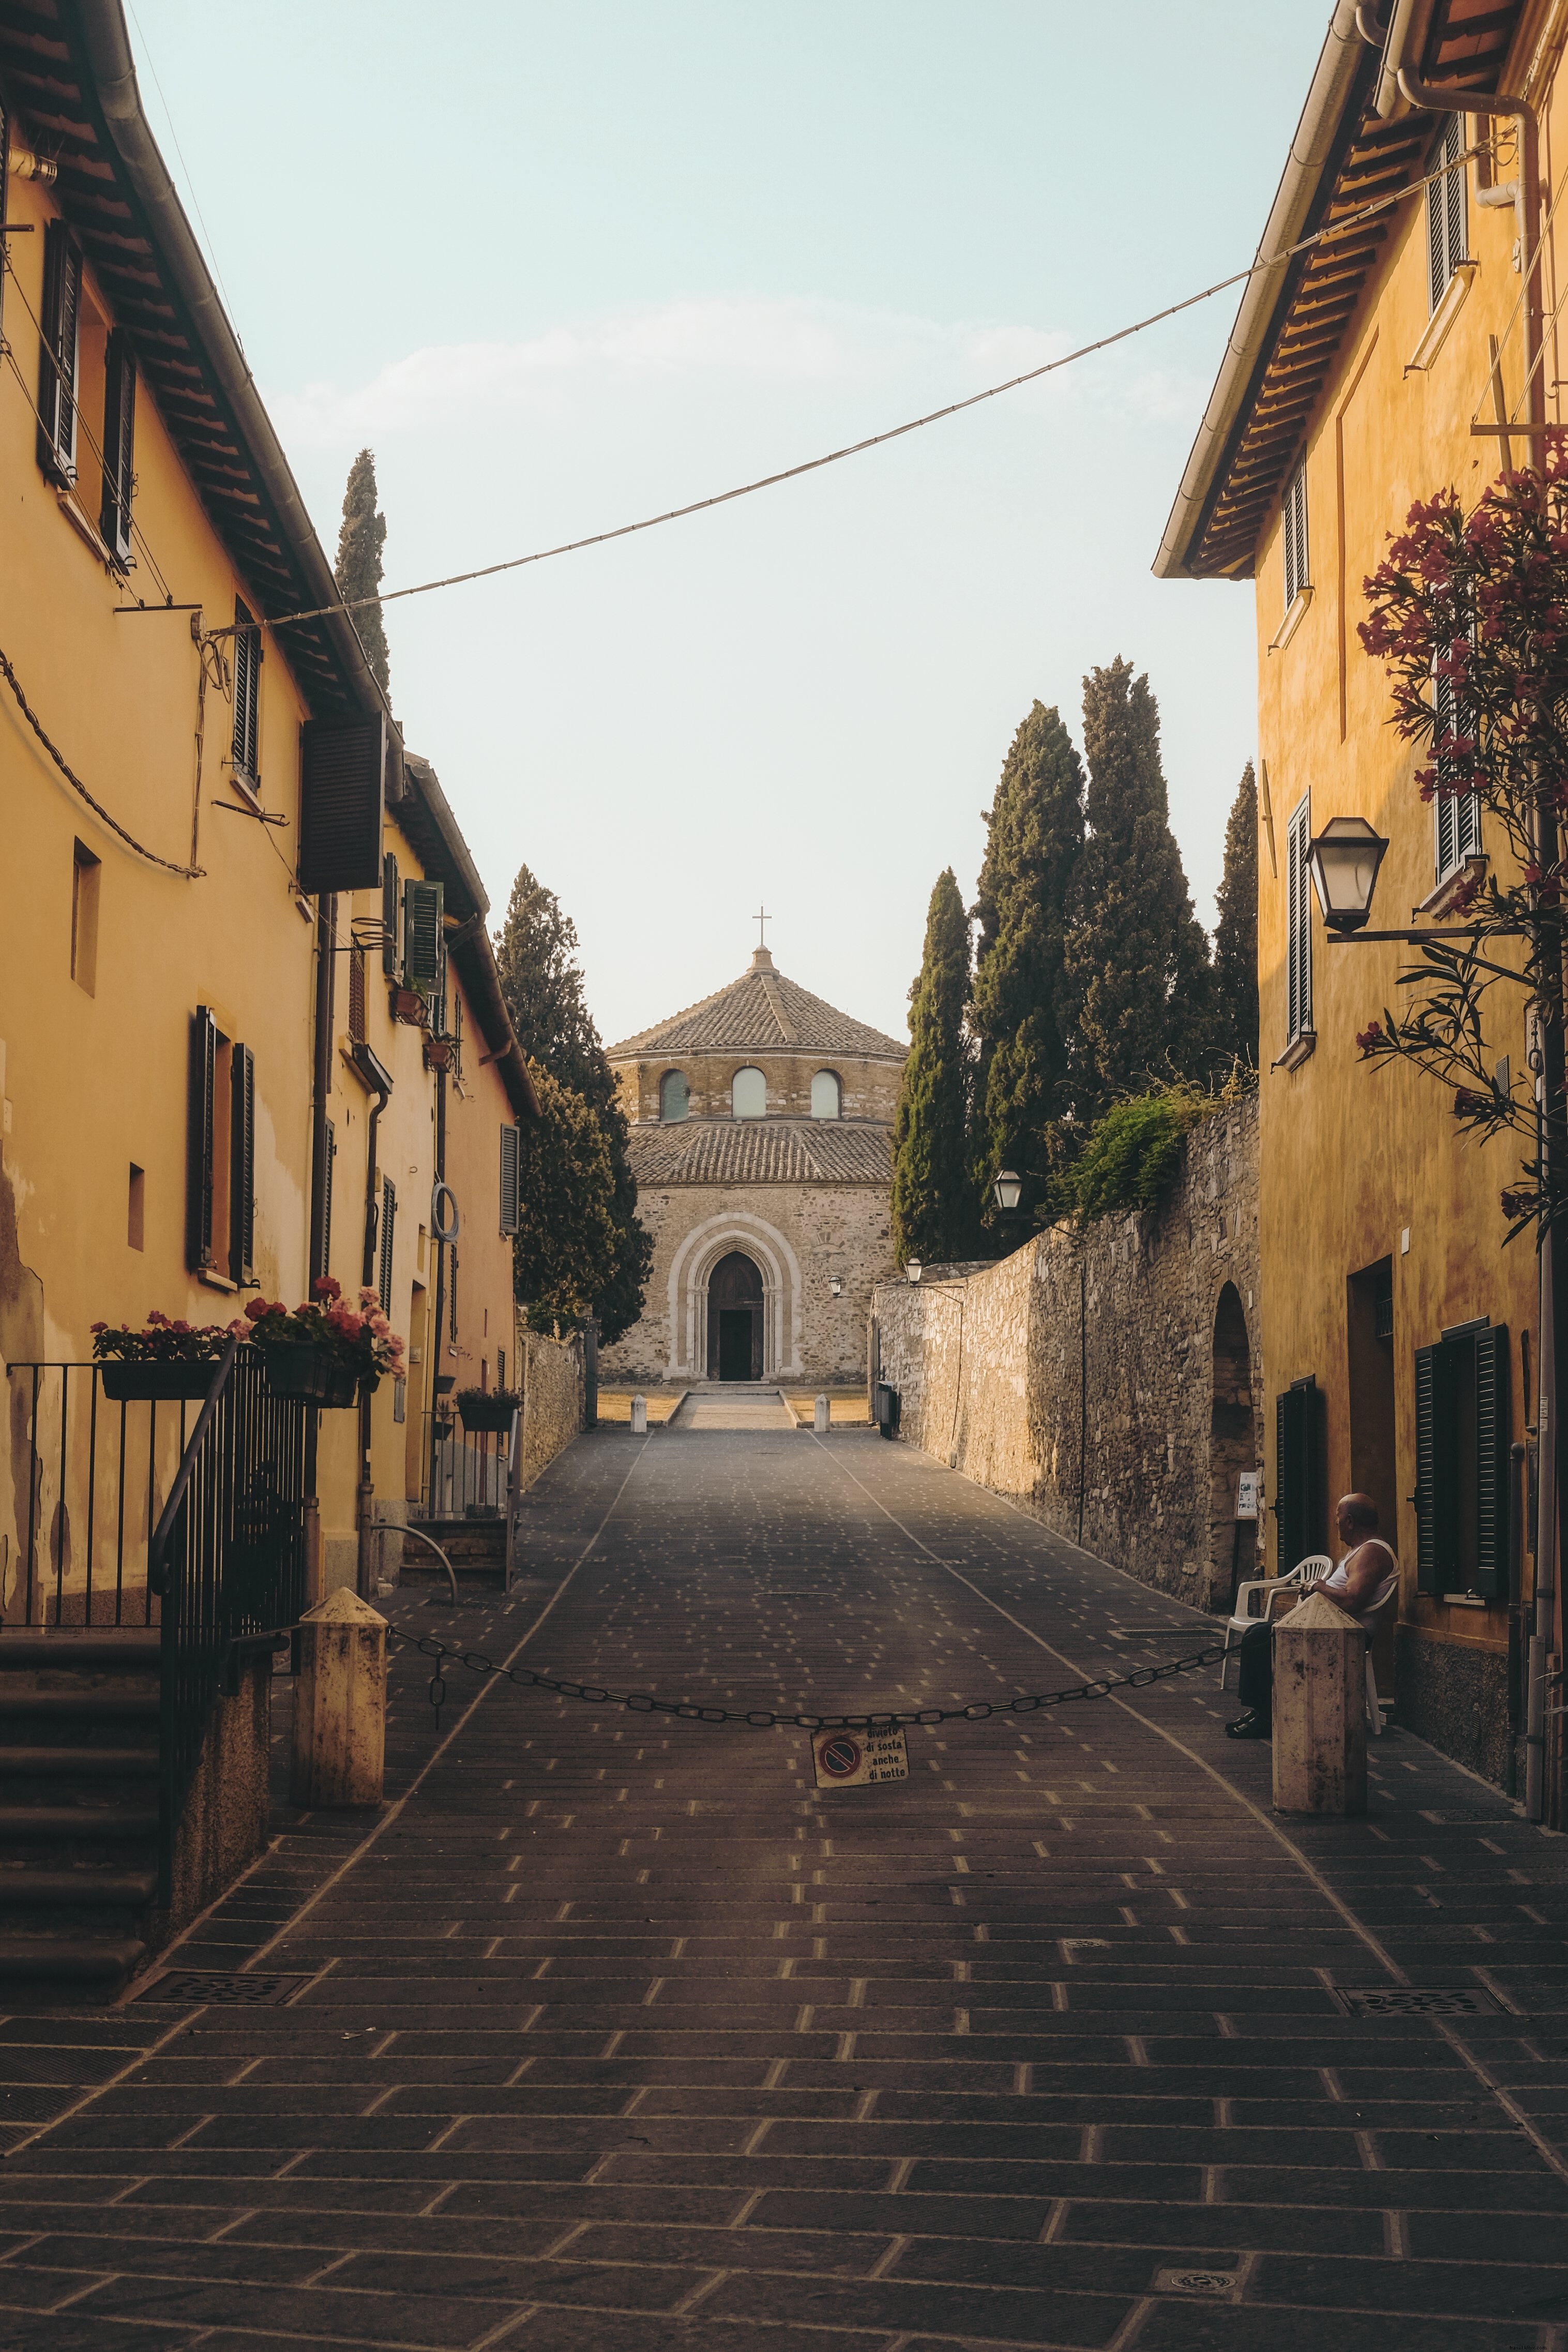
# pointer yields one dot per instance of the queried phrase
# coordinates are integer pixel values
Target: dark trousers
(1255, 1674)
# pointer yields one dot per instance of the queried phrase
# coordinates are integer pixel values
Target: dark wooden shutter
(242, 1166)
(1297, 1471)
(390, 904)
(1437, 241)
(1437, 1468)
(422, 939)
(199, 1132)
(388, 1224)
(59, 336)
(246, 691)
(357, 1029)
(1493, 1465)
(509, 1170)
(331, 1154)
(341, 806)
(119, 446)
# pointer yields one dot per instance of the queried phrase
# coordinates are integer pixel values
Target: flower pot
(486, 1414)
(312, 1373)
(127, 1381)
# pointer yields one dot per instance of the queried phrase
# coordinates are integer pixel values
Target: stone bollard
(340, 1705)
(1320, 1711)
(640, 1416)
(821, 1416)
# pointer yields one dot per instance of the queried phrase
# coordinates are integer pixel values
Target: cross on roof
(762, 919)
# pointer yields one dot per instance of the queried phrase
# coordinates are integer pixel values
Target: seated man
(1352, 1587)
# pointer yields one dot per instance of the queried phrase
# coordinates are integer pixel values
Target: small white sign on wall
(1248, 1494)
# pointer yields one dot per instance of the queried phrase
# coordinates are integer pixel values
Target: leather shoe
(1250, 1725)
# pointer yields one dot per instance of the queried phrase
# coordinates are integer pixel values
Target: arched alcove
(735, 1319)
(1232, 1438)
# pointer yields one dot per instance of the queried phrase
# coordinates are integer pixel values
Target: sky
(561, 268)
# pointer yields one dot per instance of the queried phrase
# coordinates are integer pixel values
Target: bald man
(1353, 1586)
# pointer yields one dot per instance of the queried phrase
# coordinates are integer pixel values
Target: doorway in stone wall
(1233, 1446)
(735, 1319)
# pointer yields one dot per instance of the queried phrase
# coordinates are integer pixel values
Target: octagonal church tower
(761, 1129)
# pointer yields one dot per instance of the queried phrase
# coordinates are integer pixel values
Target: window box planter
(313, 1373)
(129, 1382)
(486, 1413)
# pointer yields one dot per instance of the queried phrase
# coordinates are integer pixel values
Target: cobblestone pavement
(617, 2035)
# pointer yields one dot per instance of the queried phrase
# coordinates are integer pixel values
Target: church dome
(762, 1011)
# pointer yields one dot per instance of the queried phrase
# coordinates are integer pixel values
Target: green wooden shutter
(1297, 1471)
(119, 446)
(509, 1170)
(388, 1228)
(242, 1166)
(390, 903)
(199, 1140)
(341, 806)
(246, 692)
(421, 937)
(1493, 1465)
(59, 337)
(1437, 1468)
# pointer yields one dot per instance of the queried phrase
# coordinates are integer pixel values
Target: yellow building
(1369, 370)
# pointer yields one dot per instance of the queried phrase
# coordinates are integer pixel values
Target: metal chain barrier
(767, 1718)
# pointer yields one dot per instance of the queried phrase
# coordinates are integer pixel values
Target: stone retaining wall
(1108, 1382)
(553, 1389)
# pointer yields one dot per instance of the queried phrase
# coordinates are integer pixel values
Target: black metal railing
(469, 1471)
(226, 1560)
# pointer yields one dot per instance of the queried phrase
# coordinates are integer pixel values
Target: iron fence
(469, 1471)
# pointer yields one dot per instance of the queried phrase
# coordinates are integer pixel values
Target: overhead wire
(894, 433)
(187, 873)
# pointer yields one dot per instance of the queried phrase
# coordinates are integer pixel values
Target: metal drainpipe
(320, 1091)
(440, 1250)
(1433, 100)
(365, 1578)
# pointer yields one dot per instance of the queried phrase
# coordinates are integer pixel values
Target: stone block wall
(553, 1398)
(1108, 1382)
(869, 1087)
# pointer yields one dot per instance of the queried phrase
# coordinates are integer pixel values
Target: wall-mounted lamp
(1007, 1187)
(836, 1287)
(913, 1270)
(1344, 861)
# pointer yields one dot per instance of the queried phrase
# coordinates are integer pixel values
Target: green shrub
(1130, 1157)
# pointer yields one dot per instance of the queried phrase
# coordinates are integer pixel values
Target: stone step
(105, 1960)
(116, 1889)
(131, 1650)
(98, 1823)
(128, 1763)
(31, 1707)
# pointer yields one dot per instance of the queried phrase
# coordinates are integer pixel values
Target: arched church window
(826, 1096)
(748, 1095)
(674, 1096)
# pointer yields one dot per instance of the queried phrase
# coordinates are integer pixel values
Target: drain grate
(224, 1987)
(1195, 2282)
(1415, 2001)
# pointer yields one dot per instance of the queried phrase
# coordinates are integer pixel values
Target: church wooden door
(735, 1319)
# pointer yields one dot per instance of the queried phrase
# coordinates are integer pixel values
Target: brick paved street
(619, 2036)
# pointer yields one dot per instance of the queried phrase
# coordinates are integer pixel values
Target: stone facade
(1108, 1381)
(802, 1188)
(552, 1393)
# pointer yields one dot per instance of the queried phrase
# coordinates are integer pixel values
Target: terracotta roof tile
(763, 1151)
(757, 1013)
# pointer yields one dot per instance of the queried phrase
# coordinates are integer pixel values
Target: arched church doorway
(1233, 1440)
(735, 1319)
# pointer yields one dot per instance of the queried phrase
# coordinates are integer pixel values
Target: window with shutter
(1298, 574)
(1457, 816)
(59, 334)
(511, 1158)
(5, 176)
(357, 1029)
(388, 1228)
(331, 1154)
(119, 448)
(247, 694)
(1493, 1432)
(242, 1166)
(1446, 242)
(341, 770)
(390, 905)
(1299, 923)
(1463, 1426)
(1297, 1471)
(422, 938)
(200, 1140)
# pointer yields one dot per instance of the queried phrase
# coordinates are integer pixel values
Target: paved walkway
(617, 2036)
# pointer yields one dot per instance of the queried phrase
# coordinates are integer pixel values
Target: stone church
(761, 1129)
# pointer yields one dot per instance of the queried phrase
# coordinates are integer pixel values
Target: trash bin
(885, 1409)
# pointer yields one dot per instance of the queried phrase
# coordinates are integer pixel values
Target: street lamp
(913, 1270)
(1344, 859)
(1007, 1187)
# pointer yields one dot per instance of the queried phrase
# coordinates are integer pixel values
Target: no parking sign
(850, 1760)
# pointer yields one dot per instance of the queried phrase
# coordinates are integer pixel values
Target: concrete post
(340, 1705)
(1320, 1710)
(820, 1416)
(639, 1415)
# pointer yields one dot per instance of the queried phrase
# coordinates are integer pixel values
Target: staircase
(476, 1547)
(78, 1804)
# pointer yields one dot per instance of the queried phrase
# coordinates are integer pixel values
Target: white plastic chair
(1295, 1581)
(1385, 1597)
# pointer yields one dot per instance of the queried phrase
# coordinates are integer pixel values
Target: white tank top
(1338, 1579)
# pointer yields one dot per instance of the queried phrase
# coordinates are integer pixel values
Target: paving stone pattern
(620, 2036)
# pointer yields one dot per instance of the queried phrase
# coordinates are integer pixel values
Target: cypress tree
(1021, 1013)
(358, 567)
(536, 957)
(1236, 932)
(932, 1201)
(1137, 958)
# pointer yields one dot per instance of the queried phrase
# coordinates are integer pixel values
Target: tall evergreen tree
(1137, 959)
(1235, 934)
(536, 956)
(1021, 1013)
(932, 1197)
(358, 567)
